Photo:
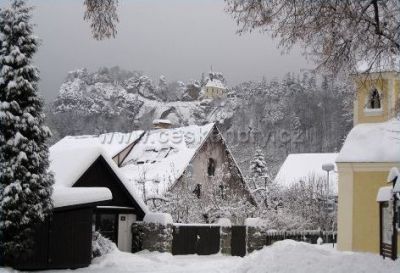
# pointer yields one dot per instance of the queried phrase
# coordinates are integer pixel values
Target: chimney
(162, 124)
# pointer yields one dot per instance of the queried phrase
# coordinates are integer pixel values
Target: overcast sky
(176, 38)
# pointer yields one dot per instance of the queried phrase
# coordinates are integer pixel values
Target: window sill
(373, 112)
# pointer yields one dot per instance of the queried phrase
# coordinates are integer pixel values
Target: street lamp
(327, 167)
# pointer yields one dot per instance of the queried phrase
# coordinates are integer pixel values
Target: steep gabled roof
(72, 156)
(161, 156)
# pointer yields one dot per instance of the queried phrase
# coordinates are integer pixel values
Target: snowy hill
(300, 113)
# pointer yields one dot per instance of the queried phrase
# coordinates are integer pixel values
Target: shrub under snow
(101, 245)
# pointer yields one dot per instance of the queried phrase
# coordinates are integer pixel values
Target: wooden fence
(309, 236)
(208, 239)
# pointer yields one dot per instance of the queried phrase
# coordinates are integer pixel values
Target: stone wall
(225, 232)
(255, 238)
(225, 240)
(152, 237)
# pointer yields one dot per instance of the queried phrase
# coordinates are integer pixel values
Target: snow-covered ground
(283, 257)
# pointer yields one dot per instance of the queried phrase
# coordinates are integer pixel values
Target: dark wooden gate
(238, 241)
(202, 240)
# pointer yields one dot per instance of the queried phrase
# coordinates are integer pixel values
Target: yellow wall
(358, 211)
(366, 210)
(398, 243)
(214, 92)
(345, 207)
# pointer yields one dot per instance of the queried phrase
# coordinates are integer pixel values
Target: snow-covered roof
(215, 83)
(372, 142)
(394, 173)
(394, 176)
(301, 167)
(384, 194)
(161, 156)
(72, 156)
(67, 196)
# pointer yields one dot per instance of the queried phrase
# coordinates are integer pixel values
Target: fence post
(225, 232)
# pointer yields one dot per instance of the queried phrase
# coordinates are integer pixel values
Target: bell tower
(377, 94)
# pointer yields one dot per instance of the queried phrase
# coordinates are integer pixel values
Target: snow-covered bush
(101, 245)
(154, 234)
(308, 200)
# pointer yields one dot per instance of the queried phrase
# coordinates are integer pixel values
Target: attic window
(374, 101)
(211, 167)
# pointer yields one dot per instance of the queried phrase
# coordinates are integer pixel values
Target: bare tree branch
(103, 17)
(337, 35)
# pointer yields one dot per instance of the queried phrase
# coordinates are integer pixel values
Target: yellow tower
(377, 94)
(371, 149)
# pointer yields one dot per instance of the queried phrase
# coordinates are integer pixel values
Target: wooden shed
(64, 239)
(93, 168)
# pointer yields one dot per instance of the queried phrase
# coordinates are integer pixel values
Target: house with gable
(166, 160)
(370, 150)
(144, 165)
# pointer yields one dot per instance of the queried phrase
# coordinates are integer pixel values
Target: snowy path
(283, 257)
(165, 263)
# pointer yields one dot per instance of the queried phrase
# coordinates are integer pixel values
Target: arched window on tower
(374, 101)
(211, 167)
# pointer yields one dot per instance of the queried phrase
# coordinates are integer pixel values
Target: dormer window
(374, 101)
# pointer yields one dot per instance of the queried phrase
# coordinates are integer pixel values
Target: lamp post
(327, 167)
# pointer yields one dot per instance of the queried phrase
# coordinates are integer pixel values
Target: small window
(222, 191)
(197, 190)
(211, 167)
(374, 100)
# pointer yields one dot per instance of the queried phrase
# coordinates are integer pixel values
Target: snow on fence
(258, 237)
(157, 233)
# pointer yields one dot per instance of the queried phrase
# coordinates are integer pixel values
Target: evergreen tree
(259, 177)
(25, 183)
(258, 165)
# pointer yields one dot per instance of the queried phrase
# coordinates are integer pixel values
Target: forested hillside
(299, 113)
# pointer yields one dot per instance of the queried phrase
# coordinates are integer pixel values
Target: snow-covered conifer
(258, 165)
(25, 183)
